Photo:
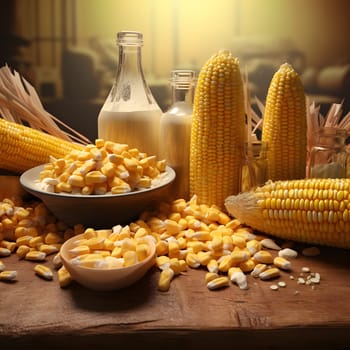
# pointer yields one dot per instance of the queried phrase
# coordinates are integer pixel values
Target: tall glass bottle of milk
(130, 113)
(175, 130)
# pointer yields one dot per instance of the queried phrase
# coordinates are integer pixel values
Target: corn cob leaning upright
(218, 127)
(312, 210)
(284, 126)
(22, 147)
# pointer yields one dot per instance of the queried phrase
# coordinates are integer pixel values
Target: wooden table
(37, 314)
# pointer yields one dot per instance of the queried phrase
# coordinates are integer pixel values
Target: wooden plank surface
(38, 314)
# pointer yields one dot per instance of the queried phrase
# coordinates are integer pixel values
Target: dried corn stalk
(20, 103)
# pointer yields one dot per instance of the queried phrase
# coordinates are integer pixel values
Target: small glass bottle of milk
(175, 130)
(130, 114)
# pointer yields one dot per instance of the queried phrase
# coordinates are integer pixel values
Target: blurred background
(67, 48)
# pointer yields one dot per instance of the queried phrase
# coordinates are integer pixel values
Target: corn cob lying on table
(312, 211)
(23, 147)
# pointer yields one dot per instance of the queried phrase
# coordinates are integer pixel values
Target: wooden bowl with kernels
(99, 210)
(110, 272)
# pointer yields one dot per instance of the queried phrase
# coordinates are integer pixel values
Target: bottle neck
(182, 93)
(129, 62)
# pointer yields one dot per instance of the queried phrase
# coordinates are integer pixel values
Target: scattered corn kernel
(238, 277)
(288, 253)
(48, 249)
(263, 257)
(57, 262)
(9, 276)
(282, 263)
(4, 252)
(35, 255)
(270, 244)
(2, 266)
(43, 271)
(258, 268)
(217, 283)
(209, 276)
(165, 278)
(270, 273)
(64, 277)
(22, 251)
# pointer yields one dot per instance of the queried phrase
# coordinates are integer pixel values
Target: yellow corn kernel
(225, 263)
(22, 251)
(248, 265)
(142, 251)
(162, 261)
(2, 266)
(173, 249)
(89, 260)
(196, 246)
(43, 271)
(217, 243)
(162, 247)
(108, 244)
(95, 177)
(36, 241)
(63, 187)
(102, 252)
(239, 256)
(130, 258)
(227, 243)
(35, 255)
(192, 260)
(53, 237)
(80, 250)
(95, 243)
(76, 180)
(213, 266)
(64, 277)
(254, 246)
(177, 265)
(263, 257)
(233, 224)
(48, 249)
(141, 232)
(198, 235)
(9, 276)
(282, 263)
(117, 252)
(4, 252)
(204, 257)
(23, 240)
(270, 273)
(238, 241)
(217, 283)
(164, 279)
(11, 246)
(258, 268)
(209, 276)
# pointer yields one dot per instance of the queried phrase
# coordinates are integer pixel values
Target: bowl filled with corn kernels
(108, 259)
(101, 185)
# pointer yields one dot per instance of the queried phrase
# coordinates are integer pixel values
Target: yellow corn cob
(23, 147)
(284, 126)
(217, 134)
(312, 211)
